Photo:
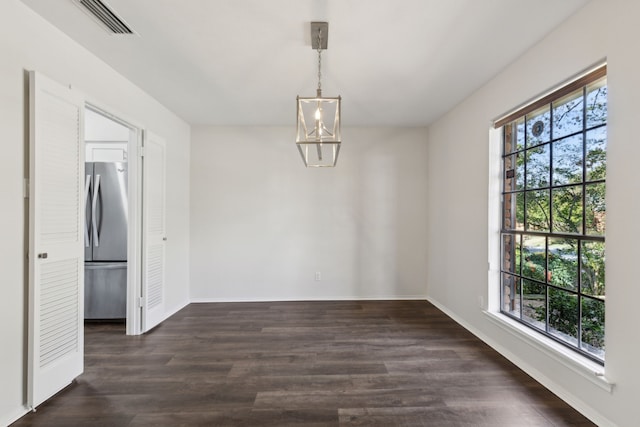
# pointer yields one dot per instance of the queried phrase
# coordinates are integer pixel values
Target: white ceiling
(242, 62)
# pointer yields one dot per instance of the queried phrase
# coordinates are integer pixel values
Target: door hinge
(25, 188)
(141, 151)
(140, 302)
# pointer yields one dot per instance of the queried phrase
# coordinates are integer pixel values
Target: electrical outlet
(318, 276)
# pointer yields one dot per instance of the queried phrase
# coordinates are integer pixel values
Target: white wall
(262, 224)
(458, 171)
(29, 43)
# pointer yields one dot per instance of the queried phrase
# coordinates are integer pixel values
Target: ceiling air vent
(100, 11)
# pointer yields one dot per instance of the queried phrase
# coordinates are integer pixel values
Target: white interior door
(154, 237)
(56, 256)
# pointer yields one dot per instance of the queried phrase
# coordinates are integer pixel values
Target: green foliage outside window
(563, 306)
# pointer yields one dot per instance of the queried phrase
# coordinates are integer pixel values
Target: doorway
(110, 288)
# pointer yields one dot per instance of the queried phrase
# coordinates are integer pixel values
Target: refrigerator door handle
(96, 190)
(87, 187)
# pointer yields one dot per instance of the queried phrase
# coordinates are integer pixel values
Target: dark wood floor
(374, 363)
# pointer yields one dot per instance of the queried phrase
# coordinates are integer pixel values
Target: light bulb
(318, 113)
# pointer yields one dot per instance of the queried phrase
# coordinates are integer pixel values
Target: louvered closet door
(154, 240)
(56, 256)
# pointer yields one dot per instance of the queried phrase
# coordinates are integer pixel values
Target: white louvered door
(154, 237)
(56, 256)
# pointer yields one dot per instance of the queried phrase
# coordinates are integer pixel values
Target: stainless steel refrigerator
(105, 234)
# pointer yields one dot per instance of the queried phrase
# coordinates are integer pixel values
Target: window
(554, 215)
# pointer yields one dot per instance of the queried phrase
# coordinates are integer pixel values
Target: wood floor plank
(333, 363)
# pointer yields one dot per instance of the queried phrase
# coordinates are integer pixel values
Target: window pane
(597, 103)
(567, 114)
(563, 315)
(567, 160)
(533, 306)
(514, 172)
(537, 209)
(592, 268)
(567, 210)
(514, 136)
(511, 294)
(511, 253)
(534, 262)
(563, 263)
(537, 167)
(596, 154)
(593, 326)
(596, 211)
(538, 130)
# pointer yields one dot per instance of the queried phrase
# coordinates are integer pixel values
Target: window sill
(573, 361)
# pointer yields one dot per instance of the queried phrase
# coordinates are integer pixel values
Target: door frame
(134, 229)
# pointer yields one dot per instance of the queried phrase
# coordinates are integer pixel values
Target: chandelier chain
(319, 60)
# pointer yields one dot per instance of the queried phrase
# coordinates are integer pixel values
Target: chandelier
(318, 126)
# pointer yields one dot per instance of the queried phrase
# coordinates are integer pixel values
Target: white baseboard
(291, 299)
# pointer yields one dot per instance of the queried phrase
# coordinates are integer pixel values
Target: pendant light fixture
(318, 127)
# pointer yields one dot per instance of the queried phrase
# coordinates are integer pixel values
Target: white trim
(570, 359)
(303, 299)
(134, 259)
(587, 410)
(493, 227)
(134, 233)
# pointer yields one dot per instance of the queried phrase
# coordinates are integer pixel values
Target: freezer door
(105, 290)
(109, 212)
(88, 194)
